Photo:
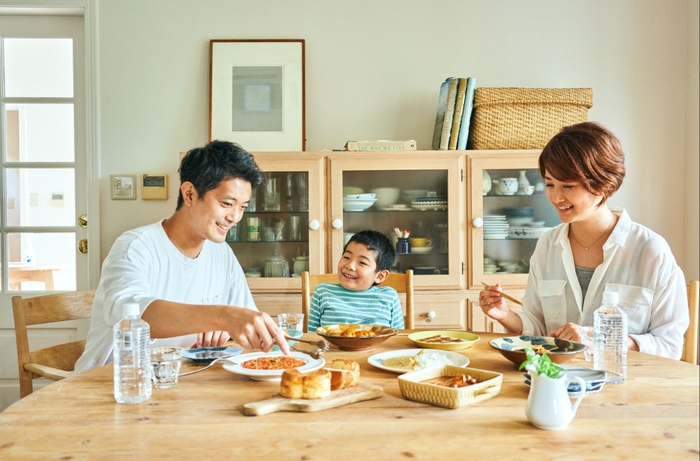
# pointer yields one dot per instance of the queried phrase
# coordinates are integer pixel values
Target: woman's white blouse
(638, 265)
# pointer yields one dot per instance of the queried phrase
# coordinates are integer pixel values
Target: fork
(322, 347)
(223, 357)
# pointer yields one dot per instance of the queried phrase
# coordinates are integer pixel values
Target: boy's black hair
(205, 167)
(376, 241)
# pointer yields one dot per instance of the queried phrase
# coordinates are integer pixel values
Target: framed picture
(256, 94)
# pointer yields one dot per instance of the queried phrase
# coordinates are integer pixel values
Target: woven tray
(525, 118)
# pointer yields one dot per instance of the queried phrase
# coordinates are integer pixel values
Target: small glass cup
(253, 224)
(165, 362)
(289, 321)
(587, 336)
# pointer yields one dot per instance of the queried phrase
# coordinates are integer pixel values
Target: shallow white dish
(527, 232)
(397, 207)
(357, 205)
(359, 197)
(421, 250)
(377, 360)
(488, 236)
(233, 365)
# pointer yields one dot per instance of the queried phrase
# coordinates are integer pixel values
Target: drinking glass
(294, 229)
(165, 362)
(302, 190)
(271, 200)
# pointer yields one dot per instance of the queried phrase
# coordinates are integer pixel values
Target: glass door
(281, 233)
(508, 211)
(412, 197)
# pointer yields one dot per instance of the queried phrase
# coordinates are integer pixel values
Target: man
(187, 281)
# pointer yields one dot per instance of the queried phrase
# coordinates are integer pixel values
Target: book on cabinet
(449, 113)
(459, 107)
(466, 114)
(440, 117)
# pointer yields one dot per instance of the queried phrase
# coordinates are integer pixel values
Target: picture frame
(257, 93)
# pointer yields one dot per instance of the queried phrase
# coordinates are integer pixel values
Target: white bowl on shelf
(357, 205)
(349, 197)
(386, 196)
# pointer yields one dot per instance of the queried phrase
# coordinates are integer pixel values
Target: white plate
(421, 250)
(377, 360)
(429, 205)
(233, 365)
(494, 236)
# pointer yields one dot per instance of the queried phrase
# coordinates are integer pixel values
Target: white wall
(373, 68)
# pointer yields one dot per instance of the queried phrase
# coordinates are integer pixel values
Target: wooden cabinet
(439, 196)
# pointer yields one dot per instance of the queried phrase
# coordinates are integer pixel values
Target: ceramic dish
(377, 360)
(234, 365)
(421, 250)
(432, 206)
(397, 207)
(513, 348)
(207, 354)
(594, 379)
(359, 197)
(357, 205)
(495, 236)
(345, 343)
(413, 388)
(462, 339)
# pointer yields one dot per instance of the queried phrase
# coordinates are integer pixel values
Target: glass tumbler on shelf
(290, 191)
(271, 200)
(303, 191)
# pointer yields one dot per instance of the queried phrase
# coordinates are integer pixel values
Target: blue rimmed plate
(208, 354)
(513, 348)
(594, 379)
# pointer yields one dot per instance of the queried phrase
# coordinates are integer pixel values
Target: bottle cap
(610, 297)
(131, 309)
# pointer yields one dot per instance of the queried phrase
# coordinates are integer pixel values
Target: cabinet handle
(314, 225)
(478, 222)
(431, 314)
(337, 223)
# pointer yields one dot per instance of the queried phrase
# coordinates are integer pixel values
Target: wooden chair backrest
(54, 362)
(690, 342)
(402, 283)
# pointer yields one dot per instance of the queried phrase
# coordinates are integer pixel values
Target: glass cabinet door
(281, 233)
(508, 211)
(412, 197)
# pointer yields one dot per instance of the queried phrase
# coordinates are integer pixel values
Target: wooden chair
(55, 362)
(402, 283)
(690, 343)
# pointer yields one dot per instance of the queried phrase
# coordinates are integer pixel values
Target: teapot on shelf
(276, 266)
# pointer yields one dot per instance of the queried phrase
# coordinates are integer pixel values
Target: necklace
(597, 240)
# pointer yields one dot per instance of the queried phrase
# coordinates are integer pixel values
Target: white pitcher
(548, 404)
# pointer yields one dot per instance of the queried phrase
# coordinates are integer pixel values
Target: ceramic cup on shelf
(507, 186)
(420, 242)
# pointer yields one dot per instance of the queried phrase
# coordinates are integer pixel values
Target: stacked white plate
(358, 202)
(495, 227)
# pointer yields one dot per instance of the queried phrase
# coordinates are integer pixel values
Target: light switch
(123, 186)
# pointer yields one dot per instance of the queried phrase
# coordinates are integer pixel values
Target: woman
(596, 249)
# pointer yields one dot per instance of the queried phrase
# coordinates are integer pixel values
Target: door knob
(82, 246)
(337, 224)
(314, 225)
(478, 222)
(82, 221)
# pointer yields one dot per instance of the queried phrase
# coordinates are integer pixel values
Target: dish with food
(421, 250)
(444, 339)
(355, 337)
(240, 364)
(404, 360)
(208, 354)
(594, 379)
(513, 348)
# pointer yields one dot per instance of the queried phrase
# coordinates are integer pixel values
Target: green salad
(542, 364)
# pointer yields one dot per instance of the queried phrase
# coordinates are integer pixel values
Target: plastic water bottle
(132, 357)
(610, 341)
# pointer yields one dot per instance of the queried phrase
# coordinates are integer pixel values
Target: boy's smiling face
(357, 268)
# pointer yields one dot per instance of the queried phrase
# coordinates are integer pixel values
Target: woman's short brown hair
(586, 153)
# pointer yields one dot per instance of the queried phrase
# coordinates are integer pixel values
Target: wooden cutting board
(337, 398)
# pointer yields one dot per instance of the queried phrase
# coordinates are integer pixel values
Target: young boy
(365, 263)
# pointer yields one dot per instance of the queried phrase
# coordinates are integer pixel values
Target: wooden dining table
(653, 415)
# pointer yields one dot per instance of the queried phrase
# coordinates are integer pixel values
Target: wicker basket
(525, 118)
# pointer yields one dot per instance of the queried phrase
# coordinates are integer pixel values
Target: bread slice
(310, 386)
(344, 373)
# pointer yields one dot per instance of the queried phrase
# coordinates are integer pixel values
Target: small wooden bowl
(344, 343)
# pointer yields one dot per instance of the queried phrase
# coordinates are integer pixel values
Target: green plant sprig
(542, 364)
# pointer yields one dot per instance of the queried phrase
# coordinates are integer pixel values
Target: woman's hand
(569, 332)
(493, 304)
(211, 339)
